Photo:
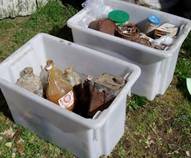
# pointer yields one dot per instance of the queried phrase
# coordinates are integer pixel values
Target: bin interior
(138, 15)
(64, 54)
(42, 47)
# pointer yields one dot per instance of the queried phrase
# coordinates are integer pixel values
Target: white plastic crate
(86, 138)
(157, 66)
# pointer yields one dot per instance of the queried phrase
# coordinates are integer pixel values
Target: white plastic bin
(157, 66)
(86, 138)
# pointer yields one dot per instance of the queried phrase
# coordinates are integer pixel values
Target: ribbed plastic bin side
(157, 66)
(86, 138)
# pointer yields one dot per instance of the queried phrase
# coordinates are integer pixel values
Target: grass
(15, 32)
(161, 128)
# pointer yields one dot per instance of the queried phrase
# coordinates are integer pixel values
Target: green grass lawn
(161, 128)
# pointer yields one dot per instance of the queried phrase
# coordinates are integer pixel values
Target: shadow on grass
(181, 85)
(64, 33)
(4, 107)
(75, 3)
(180, 8)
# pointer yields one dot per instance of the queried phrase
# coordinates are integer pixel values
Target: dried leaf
(9, 144)
(20, 147)
(13, 155)
(17, 135)
(148, 142)
(8, 133)
(188, 153)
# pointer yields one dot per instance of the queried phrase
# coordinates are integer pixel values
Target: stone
(13, 8)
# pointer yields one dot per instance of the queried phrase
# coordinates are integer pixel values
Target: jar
(119, 17)
(152, 23)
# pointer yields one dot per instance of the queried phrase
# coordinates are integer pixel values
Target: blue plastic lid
(154, 20)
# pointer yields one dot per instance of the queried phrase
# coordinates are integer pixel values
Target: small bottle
(59, 90)
(151, 24)
(30, 81)
(71, 76)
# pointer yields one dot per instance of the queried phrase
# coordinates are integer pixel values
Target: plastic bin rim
(88, 123)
